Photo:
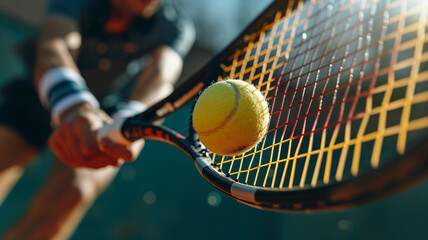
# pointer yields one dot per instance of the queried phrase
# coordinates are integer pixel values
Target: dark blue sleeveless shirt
(103, 57)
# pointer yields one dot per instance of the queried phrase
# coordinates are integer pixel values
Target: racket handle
(113, 131)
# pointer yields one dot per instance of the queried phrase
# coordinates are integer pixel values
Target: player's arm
(62, 90)
(57, 51)
(156, 81)
(58, 45)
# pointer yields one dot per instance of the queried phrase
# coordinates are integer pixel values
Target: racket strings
(293, 165)
(343, 80)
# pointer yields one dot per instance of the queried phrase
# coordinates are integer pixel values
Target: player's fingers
(60, 150)
(55, 147)
(71, 142)
(88, 144)
(101, 160)
(115, 150)
(96, 162)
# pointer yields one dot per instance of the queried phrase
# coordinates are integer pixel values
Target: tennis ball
(231, 117)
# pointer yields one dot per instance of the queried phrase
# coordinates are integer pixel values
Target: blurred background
(148, 201)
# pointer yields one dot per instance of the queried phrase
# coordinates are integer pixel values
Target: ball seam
(229, 117)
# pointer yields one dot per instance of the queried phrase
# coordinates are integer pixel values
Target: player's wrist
(76, 110)
(63, 88)
(112, 131)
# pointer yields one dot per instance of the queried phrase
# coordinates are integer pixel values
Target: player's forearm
(52, 53)
(157, 80)
(59, 84)
(58, 46)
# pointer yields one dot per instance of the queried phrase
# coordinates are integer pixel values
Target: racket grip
(113, 132)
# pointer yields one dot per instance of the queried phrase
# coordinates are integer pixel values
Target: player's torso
(103, 57)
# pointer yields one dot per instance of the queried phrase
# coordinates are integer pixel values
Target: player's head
(144, 8)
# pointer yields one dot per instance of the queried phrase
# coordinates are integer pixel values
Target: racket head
(347, 86)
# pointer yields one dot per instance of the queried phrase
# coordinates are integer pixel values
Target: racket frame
(372, 185)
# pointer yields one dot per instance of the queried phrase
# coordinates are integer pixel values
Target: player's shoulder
(173, 20)
(175, 27)
(172, 11)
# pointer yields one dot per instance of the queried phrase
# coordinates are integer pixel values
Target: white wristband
(69, 101)
(129, 109)
(53, 77)
(61, 88)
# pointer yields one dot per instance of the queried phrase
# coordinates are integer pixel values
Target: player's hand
(74, 141)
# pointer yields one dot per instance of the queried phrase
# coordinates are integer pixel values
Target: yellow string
(254, 161)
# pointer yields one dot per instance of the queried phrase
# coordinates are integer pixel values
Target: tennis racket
(347, 87)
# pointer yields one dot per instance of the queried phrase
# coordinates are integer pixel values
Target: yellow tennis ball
(231, 117)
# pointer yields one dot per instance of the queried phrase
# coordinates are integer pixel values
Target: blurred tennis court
(149, 201)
